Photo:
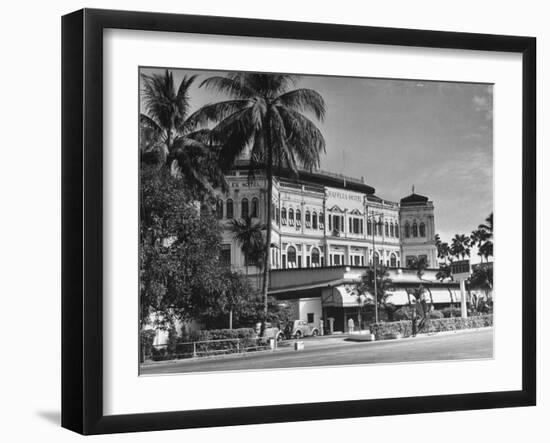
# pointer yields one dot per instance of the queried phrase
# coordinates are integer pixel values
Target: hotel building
(326, 228)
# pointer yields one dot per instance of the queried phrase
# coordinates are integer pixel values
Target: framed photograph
(270, 221)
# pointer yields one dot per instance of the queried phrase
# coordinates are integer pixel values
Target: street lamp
(374, 225)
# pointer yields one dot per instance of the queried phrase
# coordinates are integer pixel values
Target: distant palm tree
(484, 237)
(265, 115)
(169, 138)
(460, 246)
(249, 234)
(443, 249)
(421, 264)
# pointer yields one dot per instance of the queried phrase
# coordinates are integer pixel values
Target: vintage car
(270, 331)
(301, 328)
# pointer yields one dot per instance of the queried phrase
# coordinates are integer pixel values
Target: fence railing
(206, 348)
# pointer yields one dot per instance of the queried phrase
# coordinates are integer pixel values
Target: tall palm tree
(265, 115)
(420, 265)
(486, 232)
(170, 139)
(460, 246)
(443, 249)
(249, 234)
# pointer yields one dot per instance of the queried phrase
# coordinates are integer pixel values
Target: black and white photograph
(298, 221)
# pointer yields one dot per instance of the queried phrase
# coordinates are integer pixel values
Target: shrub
(234, 340)
(403, 313)
(448, 311)
(435, 314)
(380, 330)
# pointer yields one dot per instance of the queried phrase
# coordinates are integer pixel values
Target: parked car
(301, 328)
(270, 331)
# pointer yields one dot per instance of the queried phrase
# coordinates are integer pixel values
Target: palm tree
(460, 246)
(485, 237)
(443, 249)
(264, 115)
(168, 136)
(421, 264)
(249, 234)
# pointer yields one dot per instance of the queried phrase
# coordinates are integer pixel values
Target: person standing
(351, 325)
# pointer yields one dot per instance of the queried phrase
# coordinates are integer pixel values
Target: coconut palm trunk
(267, 258)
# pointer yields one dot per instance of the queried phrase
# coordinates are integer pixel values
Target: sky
(437, 136)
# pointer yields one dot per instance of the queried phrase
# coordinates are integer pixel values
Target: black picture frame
(82, 215)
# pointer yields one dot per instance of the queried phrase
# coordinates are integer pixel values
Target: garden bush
(435, 314)
(234, 340)
(403, 313)
(448, 311)
(404, 327)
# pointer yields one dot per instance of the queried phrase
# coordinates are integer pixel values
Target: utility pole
(374, 226)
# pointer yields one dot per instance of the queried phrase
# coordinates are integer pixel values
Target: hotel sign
(344, 199)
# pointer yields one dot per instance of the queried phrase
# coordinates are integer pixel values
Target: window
(321, 220)
(314, 223)
(336, 260)
(308, 262)
(284, 261)
(225, 255)
(299, 261)
(283, 216)
(369, 227)
(298, 217)
(397, 230)
(407, 230)
(278, 215)
(255, 203)
(387, 229)
(291, 217)
(336, 222)
(410, 260)
(244, 208)
(330, 222)
(422, 230)
(229, 209)
(219, 209)
(291, 256)
(393, 261)
(315, 257)
(308, 219)
(356, 260)
(310, 317)
(415, 230)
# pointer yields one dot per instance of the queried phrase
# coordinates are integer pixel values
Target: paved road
(461, 345)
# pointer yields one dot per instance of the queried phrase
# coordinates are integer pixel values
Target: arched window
(291, 255)
(255, 204)
(229, 209)
(298, 217)
(386, 229)
(415, 230)
(308, 219)
(393, 261)
(283, 216)
(315, 257)
(407, 230)
(219, 209)
(422, 230)
(291, 217)
(369, 227)
(391, 229)
(321, 220)
(397, 230)
(244, 208)
(314, 222)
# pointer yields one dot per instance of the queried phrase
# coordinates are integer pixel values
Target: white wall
(30, 222)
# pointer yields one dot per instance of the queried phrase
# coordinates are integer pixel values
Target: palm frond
(215, 112)
(306, 100)
(233, 85)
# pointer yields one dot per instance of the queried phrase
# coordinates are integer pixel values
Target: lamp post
(374, 225)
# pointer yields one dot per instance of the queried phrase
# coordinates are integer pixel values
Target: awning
(346, 296)
(399, 298)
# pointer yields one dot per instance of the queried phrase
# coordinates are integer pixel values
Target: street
(337, 351)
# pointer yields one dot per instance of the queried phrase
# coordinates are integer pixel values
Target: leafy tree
(483, 238)
(179, 252)
(384, 284)
(460, 246)
(169, 138)
(265, 115)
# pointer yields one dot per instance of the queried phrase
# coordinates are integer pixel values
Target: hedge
(404, 327)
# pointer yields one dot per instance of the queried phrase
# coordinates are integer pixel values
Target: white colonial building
(325, 228)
